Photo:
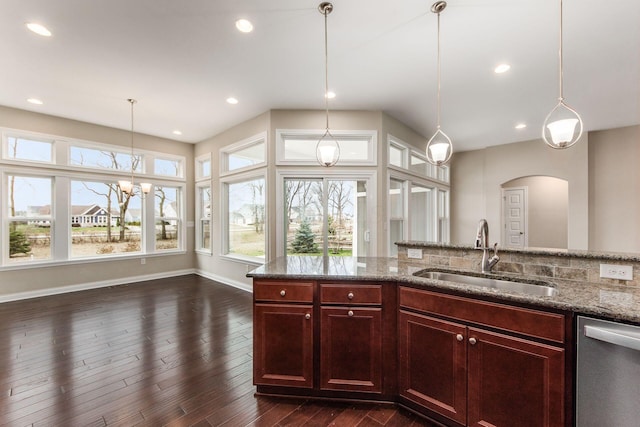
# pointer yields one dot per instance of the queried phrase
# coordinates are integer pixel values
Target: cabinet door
(433, 358)
(283, 345)
(514, 382)
(351, 349)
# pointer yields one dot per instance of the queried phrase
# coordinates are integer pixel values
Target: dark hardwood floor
(175, 352)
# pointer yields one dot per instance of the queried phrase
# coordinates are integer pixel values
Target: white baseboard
(95, 285)
(225, 280)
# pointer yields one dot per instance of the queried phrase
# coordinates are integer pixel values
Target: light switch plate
(615, 271)
(414, 253)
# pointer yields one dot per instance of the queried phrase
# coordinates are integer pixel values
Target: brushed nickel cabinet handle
(459, 337)
(350, 313)
(283, 293)
(350, 295)
(472, 341)
(307, 316)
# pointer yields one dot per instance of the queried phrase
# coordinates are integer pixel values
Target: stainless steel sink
(532, 288)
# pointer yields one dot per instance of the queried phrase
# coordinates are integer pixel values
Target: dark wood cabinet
(351, 349)
(433, 359)
(475, 376)
(457, 360)
(283, 327)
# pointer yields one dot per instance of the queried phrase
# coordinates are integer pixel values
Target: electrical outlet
(143, 261)
(414, 253)
(614, 271)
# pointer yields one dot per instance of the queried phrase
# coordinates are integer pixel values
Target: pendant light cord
(326, 69)
(561, 59)
(132, 101)
(438, 119)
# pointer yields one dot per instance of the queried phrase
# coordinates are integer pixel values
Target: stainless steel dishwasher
(608, 374)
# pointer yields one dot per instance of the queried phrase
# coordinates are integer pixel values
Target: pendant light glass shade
(439, 147)
(327, 148)
(563, 125)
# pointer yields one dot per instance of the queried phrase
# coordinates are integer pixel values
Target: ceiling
(182, 59)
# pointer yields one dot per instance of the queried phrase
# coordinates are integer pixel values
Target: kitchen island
(369, 329)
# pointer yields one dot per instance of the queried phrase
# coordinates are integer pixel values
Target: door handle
(613, 337)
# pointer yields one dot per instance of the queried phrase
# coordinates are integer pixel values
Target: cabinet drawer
(350, 294)
(539, 324)
(284, 291)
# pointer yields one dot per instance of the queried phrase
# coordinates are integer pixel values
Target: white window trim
(61, 174)
(316, 134)
(224, 215)
(182, 221)
(408, 151)
(260, 138)
(10, 133)
(172, 158)
(358, 174)
(197, 166)
(199, 218)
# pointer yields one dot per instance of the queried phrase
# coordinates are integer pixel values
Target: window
(244, 155)
(107, 158)
(245, 218)
(203, 166)
(326, 216)
(28, 149)
(104, 220)
(30, 220)
(203, 209)
(64, 203)
(396, 214)
(167, 218)
(167, 167)
(421, 213)
(396, 154)
(299, 147)
(443, 216)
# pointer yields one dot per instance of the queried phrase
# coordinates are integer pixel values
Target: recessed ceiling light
(502, 68)
(35, 101)
(521, 126)
(38, 29)
(232, 100)
(244, 25)
(177, 132)
(330, 95)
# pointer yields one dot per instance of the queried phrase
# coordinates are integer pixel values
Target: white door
(514, 201)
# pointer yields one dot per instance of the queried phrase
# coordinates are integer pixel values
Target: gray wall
(614, 190)
(603, 184)
(477, 177)
(46, 279)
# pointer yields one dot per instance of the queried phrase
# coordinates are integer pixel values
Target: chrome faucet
(482, 242)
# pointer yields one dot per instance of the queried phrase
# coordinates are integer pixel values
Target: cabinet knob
(472, 341)
(350, 313)
(307, 316)
(350, 295)
(283, 293)
(459, 337)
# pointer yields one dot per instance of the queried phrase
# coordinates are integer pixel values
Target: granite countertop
(616, 302)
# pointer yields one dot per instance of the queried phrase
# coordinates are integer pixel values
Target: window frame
(330, 174)
(62, 173)
(227, 150)
(180, 212)
(201, 218)
(237, 178)
(10, 133)
(315, 134)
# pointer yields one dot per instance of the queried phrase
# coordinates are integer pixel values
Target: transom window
(299, 146)
(28, 149)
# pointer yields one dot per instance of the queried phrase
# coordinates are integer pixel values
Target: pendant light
(127, 187)
(439, 147)
(563, 126)
(327, 149)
